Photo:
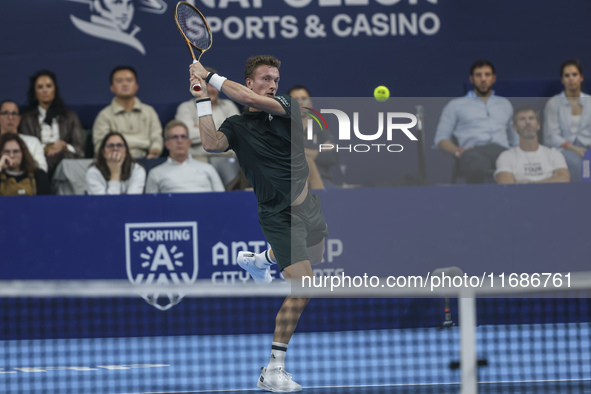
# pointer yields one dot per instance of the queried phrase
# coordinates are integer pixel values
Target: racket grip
(196, 87)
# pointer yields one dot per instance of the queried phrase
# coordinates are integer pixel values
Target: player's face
(526, 124)
(483, 79)
(303, 98)
(572, 78)
(265, 81)
(124, 84)
(44, 90)
(9, 118)
(115, 144)
(13, 150)
(178, 143)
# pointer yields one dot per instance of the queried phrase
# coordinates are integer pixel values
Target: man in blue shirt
(476, 128)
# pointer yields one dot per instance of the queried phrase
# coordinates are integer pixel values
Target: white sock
(278, 351)
(263, 259)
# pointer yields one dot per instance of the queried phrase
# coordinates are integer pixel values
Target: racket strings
(193, 26)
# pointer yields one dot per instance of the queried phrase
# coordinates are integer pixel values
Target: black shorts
(292, 231)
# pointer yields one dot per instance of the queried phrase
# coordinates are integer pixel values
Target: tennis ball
(381, 93)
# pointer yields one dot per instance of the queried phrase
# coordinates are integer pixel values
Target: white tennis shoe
(278, 381)
(247, 261)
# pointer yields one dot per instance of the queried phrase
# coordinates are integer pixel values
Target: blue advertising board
(394, 231)
(401, 232)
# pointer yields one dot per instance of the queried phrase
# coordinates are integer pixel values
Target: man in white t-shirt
(530, 162)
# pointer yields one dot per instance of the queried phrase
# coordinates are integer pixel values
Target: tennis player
(269, 142)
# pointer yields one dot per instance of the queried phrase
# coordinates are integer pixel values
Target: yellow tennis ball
(381, 93)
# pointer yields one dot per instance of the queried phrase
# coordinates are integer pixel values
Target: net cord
(207, 288)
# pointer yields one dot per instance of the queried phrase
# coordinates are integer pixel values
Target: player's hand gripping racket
(194, 29)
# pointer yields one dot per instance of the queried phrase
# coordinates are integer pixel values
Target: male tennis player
(269, 142)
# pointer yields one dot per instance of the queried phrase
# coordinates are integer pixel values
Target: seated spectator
(19, 174)
(322, 161)
(114, 170)
(567, 118)
(127, 115)
(55, 125)
(181, 173)
(187, 113)
(10, 119)
(480, 123)
(530, 162)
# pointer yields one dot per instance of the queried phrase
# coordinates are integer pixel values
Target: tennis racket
(195, 30)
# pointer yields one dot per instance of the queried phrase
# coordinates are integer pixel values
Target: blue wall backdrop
(385, 231)
(337, 47)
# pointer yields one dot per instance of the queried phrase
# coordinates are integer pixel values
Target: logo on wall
(161, 253)
(112, 19)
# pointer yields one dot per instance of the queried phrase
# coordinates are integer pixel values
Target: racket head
(193, 27)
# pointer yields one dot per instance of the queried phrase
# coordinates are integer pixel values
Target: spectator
(114, 170)
(55, 125)
(127, 115)
(10, 119)
(324, 160)
(480, 123)
(567, 118)
(181, 173)
(19, 174)
(187, 113)
(530, 162)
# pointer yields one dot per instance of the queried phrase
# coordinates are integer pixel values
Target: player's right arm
(212, 139)
(242, 94)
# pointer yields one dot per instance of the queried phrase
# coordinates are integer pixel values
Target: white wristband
(204, 107)
(217, 81)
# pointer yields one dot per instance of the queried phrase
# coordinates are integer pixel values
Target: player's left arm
(243, 95)
(212, 139)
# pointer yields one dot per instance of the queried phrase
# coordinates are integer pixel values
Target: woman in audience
(114, 170)
(19, 174)
(567, 118)
(48, 119)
